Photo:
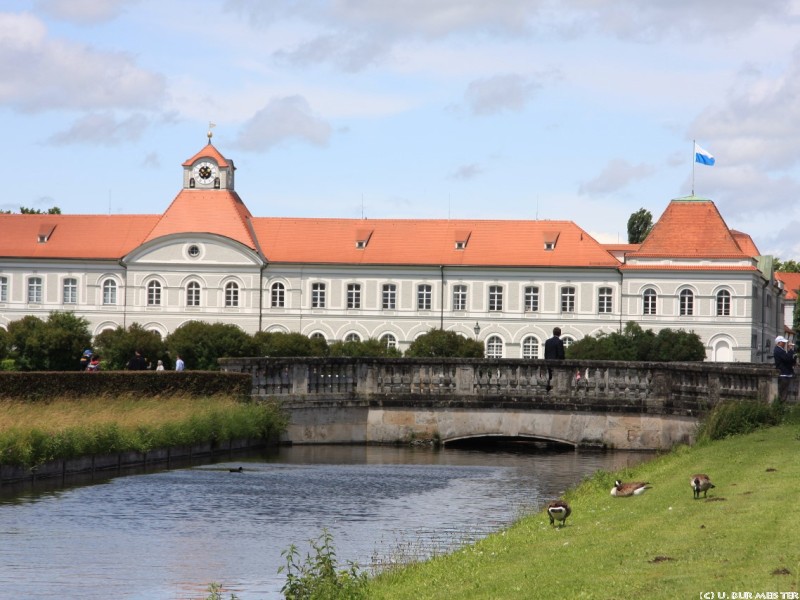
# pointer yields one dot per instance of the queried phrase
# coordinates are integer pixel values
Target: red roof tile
(690, 228)
(73, 236)
(791, 283)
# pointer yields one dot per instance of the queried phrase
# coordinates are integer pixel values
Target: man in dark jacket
(784, 361)
(137, 363)
(553, 350)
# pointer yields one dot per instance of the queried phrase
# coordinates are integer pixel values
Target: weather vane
(210, 127)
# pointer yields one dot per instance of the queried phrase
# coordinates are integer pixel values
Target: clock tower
(208, 170)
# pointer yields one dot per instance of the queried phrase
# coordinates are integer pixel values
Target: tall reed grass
(34, 433)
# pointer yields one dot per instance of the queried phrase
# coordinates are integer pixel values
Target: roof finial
(210, 127)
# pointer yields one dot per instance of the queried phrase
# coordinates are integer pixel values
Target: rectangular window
(317, 295)
(649, 302)
(154, 294)
(459, 297)
(70, 291)
(604, 296)
(531, 300)
(389, 296)
(424, 296)
(3, 289)
(35, 290)
(353, 295)
(495, 297)
(568, 299)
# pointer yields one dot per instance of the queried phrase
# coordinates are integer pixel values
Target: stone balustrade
(608, 386)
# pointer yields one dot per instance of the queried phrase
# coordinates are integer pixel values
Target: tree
(639, 225)
(669, 345)
(52, 345)
(438, 343)
(201, 344)
(117, 346)
(789, 266)
(36, 211)
(3, 343)
(371, 348)
(288, 344)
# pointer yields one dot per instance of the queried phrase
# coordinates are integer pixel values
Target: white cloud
(102, 129)
(465, 172)
(282, 120)
(617, 174)
(41, 74)
(500, 93)
(83, 11)
(349, 53)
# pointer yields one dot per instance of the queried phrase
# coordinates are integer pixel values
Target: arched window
(193, 294)
(388, 340)
(494, 347)
(278, 295)
(109, 291)
(530, 347)
(317, 336)
(649, 298)
(352, 337)
(568, 341)
(723, 303)
(686, 304)
(231, 294)
(154, 293)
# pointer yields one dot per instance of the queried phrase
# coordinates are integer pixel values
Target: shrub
(737, 417)
(317, 578)
(440, 344)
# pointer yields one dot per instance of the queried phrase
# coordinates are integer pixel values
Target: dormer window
(550, 239)
(45, 231)
(362, 238)
(462, 237)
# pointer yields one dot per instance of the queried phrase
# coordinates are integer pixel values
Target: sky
(579, 110)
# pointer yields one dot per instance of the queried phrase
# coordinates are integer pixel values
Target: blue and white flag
(704, 157)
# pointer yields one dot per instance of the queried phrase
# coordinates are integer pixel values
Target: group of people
(91, 362)
(139, 363)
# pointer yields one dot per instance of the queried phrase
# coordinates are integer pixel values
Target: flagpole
(694, 146)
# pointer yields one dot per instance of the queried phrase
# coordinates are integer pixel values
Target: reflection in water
(168, 534)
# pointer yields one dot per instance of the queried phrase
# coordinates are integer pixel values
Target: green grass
(745, 537)
(32, 433)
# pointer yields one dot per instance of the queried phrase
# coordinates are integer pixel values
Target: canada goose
(701, 482)
(239, 470)
(558, 510)
(632, 488)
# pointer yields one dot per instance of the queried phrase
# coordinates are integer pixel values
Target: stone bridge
(608, 404)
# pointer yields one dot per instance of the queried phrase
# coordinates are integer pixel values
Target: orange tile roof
(93, 237)
(221, 212)
(690, 227)
(429, 242)
(685, 267)
(791, 283)
(746, 243)
(209, 152)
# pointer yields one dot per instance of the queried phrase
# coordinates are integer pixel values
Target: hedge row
(46, 385)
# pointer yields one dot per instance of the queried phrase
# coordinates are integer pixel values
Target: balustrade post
(299, 381)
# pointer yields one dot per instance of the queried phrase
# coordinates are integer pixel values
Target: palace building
(506, 283)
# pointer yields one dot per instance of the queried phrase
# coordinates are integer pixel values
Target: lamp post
(477, 330)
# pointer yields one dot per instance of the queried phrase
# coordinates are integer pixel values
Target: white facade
(193, 273)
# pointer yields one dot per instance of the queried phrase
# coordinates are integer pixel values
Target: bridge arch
(521, 437)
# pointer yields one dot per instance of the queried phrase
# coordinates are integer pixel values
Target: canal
(167, 534)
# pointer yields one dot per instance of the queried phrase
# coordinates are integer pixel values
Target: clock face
(204, 172)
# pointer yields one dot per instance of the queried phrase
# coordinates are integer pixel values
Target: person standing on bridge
(553, 350)
(784, 361)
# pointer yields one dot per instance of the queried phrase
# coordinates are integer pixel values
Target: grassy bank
(33, 433)
(663, 544)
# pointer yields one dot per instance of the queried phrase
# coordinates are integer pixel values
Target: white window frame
(35, 287)
(70, 290)
(495, 298)
(686, 303)
(530, 347)
(109, 292)
(605, 300)
(353, 296)
(649, 302)
(3, 289)
(154, 289)
(531, 298)
(568, 293)
(318, 293)
(460, 297)
(389, 296)
(494, 347)
(231, 295)
(277, 295)
(193, 290)
(424, 296)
